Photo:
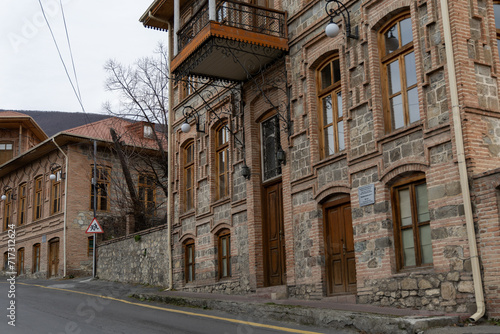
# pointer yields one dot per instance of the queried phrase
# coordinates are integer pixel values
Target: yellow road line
(254, 324)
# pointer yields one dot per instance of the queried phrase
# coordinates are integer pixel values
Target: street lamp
(332, 29)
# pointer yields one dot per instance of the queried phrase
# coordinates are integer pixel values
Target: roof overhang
(13, 122)
(48, 146)
(159, 14)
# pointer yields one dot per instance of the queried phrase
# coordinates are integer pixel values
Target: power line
(70, 51)
(60, 56)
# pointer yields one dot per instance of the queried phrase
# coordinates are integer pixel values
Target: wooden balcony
(241, 42)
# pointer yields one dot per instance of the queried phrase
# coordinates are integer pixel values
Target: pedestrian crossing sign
(94, 227)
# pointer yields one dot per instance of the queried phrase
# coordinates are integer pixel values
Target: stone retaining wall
(138, 258)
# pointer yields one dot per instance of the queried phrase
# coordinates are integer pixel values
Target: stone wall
(140, 258)
(450, 292)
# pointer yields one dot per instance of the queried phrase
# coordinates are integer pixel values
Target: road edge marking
(166, 309)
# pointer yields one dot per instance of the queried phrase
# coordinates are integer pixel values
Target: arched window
(55, 196)
(189, 176)
(23, 204)
(102, 179)
(7, 211)
(412, 223)
(399, 75)
(38, 198)
(222, 161)
(147, 192)
(20, 261)
(189, 260)
(224, 253)
(331, 109)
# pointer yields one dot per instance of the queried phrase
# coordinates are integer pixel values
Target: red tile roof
(125, 130)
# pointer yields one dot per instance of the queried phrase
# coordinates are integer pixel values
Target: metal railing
(235, 14)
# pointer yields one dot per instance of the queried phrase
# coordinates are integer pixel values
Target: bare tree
(143, 93)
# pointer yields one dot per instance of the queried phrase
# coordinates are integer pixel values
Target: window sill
(414, 271)
(187, 214)
(414, 127)
(331, 158)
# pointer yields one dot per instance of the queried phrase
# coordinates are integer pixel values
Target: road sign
(94, 227)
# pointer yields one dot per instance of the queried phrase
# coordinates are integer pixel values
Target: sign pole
(94, 184)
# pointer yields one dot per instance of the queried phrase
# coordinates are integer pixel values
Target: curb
(369, 323)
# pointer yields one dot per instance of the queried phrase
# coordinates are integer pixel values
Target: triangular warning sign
(94, 227)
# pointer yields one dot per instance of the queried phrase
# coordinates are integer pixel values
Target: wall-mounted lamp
(245, 171)
(55, 172)
(281, 156)
(6, 189)
(332, 29)
(189, 114)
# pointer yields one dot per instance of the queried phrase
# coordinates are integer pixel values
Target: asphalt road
(74, 307)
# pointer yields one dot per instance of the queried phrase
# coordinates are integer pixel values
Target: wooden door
(339, 242)
(274, 235)
(53, 258)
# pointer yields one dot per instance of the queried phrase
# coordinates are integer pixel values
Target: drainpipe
(169, 159)
(462, 167)
(170, 121)
(65, 205)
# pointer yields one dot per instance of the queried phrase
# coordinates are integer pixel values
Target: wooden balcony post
(212, 10)
(176, 25)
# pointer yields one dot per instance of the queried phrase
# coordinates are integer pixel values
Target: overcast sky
(32, 76)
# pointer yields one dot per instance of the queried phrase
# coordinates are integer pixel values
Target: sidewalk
(327, 312)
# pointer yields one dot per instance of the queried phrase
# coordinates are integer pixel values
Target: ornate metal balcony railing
(235, 14)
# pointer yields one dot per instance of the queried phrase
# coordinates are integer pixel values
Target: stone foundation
(450, 292)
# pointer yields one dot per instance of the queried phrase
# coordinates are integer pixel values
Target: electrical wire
(60, 56)
(70, 51)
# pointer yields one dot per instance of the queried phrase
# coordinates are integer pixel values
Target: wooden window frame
(189, 263)
(188, 167)
(102, 183)
(497, 2)
(222, 148)
(7, 210)
(385, 60)
(55, 195)
(146, 189)
(38, 198)
(4, 156)
(36, 258)
(187, 87)
(20, 261)
(224, 237)
(330, 91)
(23, 204)
(408, 183)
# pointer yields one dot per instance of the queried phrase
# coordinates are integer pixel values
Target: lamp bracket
(341, 10)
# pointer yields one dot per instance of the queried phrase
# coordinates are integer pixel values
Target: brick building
(317, 166)
(48, 194)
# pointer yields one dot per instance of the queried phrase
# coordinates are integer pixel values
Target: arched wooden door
(53, 257)
(274, 234)
(339, 244)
